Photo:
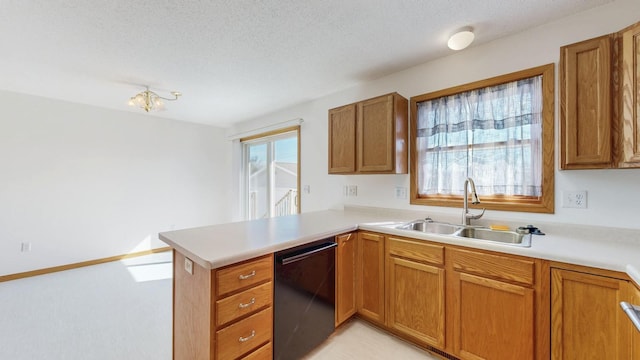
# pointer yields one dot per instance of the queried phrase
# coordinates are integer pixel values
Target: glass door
(271, 167)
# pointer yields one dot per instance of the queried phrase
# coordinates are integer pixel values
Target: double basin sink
(428, 226)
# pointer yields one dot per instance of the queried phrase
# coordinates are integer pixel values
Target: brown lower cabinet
(587, 321)
(495, 306)
(345, 277)
(416, 290)
(635, 338)
(471, 304)
(224, 313)
(466, 303)
(370, 277)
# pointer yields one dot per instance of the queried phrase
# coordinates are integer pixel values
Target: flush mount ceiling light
(461, 39)
(150, 101)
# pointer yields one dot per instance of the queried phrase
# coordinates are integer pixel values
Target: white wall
(612, 194)
(82, 183)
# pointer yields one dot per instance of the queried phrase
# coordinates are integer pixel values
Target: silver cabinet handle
(633, 312)
(245, 277)
(251, 302)
(243, 339)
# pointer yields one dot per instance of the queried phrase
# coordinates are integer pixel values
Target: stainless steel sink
(504, 237)
(470, 232)
(432, 227)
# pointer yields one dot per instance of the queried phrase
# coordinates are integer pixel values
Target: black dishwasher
(304, 298)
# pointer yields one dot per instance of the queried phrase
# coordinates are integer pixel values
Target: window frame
(543, 204)
(267, 137)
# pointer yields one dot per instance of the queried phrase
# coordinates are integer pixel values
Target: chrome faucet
(466, 216)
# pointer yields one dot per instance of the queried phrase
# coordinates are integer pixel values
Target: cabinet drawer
(416, 250)
(245, 335)
(244, 275)
(264, 353)
(248, 301)
(496, 266)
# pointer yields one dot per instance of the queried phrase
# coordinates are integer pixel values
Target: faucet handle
(476, 216)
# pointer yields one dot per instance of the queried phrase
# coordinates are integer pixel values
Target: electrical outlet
(353, 190)
(574, 199)
(188, 265)
(306, 189)
(25, 247)
(401, 192)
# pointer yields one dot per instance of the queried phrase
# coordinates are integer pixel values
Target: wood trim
(271, 133)
(54, 269)
(544, 204)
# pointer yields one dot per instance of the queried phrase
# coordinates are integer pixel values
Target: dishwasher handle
(305, 253)
(633, 312)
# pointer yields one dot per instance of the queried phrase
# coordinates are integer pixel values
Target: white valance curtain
(491, 134)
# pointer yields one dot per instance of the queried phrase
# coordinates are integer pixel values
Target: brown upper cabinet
(599, 102)
(369, 137)
(629, 76)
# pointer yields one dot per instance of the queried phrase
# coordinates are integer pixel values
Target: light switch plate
(401, 192)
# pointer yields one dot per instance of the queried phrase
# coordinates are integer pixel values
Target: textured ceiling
(236, 59)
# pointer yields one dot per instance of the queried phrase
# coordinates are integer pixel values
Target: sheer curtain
(491, 134)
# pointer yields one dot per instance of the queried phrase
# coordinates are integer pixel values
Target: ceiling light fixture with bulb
(461, 39)
(150, 101)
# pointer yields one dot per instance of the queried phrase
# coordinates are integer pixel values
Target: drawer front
(264, 353)
(416, 250)
(246, 302)
(496, 266)
(245, 335)
(244, 275)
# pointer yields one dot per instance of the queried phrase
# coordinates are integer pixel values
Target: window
(497, 131)
(270, 174)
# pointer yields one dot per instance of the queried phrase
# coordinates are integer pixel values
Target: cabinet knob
(245, 339)
(245, 277)
(251, 302)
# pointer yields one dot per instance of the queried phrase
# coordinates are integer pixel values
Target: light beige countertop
(219, 245)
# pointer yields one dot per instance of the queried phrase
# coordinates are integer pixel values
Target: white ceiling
(237, 59)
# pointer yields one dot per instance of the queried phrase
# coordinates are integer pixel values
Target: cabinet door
(375, 136)
(345, 277)
(635, 338)
(370, 277)
(585, 104)
(416, 300)
(586, 319)
(629, 72)
(492, 319)
(342, 135)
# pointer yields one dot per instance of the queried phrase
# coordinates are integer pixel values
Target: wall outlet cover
(574, 199)
(188, 265)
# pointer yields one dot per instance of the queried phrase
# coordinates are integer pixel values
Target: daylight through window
(500, 133)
